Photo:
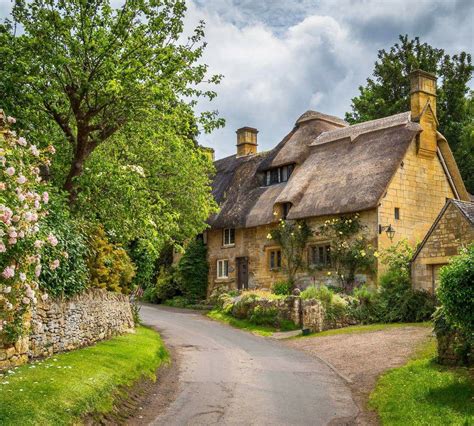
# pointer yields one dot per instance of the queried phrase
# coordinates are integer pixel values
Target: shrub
(282, 288)
(144, 256)
(177, 302)
(192, 271)
(70, 252)
(364, 305)
(322, 293)
(262, 315)
(400, 303)
(166, 286)
(456, 290)
(334, 305)
(109, 264)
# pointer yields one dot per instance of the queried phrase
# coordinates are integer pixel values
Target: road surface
(231, 377)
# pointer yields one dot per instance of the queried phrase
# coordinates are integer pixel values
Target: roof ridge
(358, 129)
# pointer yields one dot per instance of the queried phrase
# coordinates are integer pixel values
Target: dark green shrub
(177, 302)
(456, 290)
(192, 271)
(335, 306)
(282, 288)
(364, 305)
(72, 274)
(243, 305)
(144, 255)
(398, 302)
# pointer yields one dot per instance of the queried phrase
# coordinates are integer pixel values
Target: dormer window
(278, 174)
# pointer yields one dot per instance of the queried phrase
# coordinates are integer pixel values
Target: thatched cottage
(396, 172)
(452, 230)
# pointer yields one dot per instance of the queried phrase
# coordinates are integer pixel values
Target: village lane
(230, 377)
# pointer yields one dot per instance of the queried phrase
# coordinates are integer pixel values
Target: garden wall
(62, 325)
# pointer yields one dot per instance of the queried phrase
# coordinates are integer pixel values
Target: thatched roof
(340, 169)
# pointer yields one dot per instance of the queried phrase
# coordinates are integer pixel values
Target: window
(223, 268)
(275, 259)
(397, 213)
(320, 255)
(229, 237)
(278, 174)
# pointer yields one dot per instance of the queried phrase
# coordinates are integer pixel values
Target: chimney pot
(246, 141)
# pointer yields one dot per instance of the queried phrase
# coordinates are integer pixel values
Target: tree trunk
(80, 156)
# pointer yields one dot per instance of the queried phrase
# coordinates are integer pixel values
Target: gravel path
(362, 357)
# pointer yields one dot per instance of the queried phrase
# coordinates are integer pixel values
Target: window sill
(224, 246)
(223, 280)
(275, 269)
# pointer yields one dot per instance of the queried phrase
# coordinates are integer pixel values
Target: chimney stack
(246, 141)
(423, 110)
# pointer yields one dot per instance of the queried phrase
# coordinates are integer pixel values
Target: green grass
(243, 324)
(424, 393)
(65, 387)
(355, 329)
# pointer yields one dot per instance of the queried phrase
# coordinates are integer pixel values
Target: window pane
(328, 255)
(284, 174)
(279, 259)
(268, 180)
(290, 170)
(274, 176)
(272, 259)
(226, 268)
(219, 268)
(231, 236)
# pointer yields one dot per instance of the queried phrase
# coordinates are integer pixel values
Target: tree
(388, 92)
(292, 237)
(81, 71)
(465, 151)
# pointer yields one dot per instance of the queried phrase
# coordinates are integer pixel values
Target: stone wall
(62, 325)
(452, 232)
(419, 190)
(253, 244)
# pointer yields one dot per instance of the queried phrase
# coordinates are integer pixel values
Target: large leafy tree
(80, 71)
(388, 91)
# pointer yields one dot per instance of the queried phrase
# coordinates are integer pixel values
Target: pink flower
(34, 150)
(54, 265)
(11, 120)
(10, 171)
(38, 244)
(45, 197)
(52, 240)
(38, 270)
(51, 149)
(3, 249)
(21, 179)
(25, 301)
(15, 218)
(21, 141)
(12, 233)
(44, 297)
(12, 241)
(3, 186)
(9, 272)
(22, 276)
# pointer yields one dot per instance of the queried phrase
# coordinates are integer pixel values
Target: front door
(242, 273)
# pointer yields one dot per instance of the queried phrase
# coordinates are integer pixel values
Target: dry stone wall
(61, 325)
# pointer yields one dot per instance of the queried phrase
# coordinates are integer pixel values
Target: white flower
(34, 150)
(21, 141)
(11, 120)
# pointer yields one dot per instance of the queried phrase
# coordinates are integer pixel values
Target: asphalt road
(231, 377)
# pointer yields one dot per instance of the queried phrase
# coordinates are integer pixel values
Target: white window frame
(223, 268)
(229, 233)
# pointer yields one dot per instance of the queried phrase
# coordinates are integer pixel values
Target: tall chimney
(246, 141)
(423, 110)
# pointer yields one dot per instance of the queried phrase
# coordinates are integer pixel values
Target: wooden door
(242, 273)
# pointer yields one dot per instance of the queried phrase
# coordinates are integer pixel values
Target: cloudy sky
(283, 57)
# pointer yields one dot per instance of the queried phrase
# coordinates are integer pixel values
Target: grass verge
(243, 324)
(62, 389)
(355, 329)
(424, 393)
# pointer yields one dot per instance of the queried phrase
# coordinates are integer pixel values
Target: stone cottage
(395, 172)
(452, 230)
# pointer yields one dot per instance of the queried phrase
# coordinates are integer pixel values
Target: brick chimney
(246, 141)
(423, 110)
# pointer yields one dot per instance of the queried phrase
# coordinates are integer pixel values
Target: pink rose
(3, 249)
(3, 186)
(22, 276)
(51, 149)
(21, 141)
(45, 197)
(54, 265)
(21, 179)
(10, 171)
(11, 120)
(12, 241)
(52, 240)
(38, 270)
(38, 244)
(9, 272)
(25, 301)
(34, 150)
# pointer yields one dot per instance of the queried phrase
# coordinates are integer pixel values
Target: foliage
(64, 389)
(398, 257)
(264, 315)
(92, 70)
(109, 264)
(23, 207)
(243, 324)
(282, 288)
(388, 92)
(177, 302)
(334, 305)
(292, 237)
(398, 302)
(364, 305)
(456, 291)
(144, 256)
(152, 183)
(350, 249)
(421, 392)
(192, 271)
(464, 152)
(72, 274)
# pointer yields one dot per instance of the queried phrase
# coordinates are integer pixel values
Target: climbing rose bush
(23, 205)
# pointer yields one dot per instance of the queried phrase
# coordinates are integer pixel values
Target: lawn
(354, 329)
(243, 324)
(63, 388)
(424, 393)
